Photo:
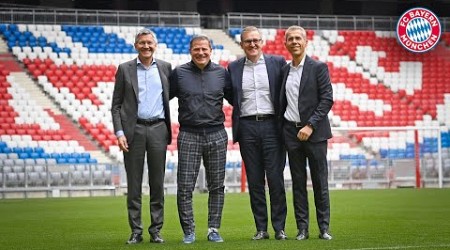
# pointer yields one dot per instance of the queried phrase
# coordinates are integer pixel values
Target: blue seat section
(92, 37)
(3, 27)
(3, 145)
(233, 165)
(233, 32)
(429, 145)
(14, 37)
(445, 139)
(96, 40)
(176, 39)
(39, 153)
(170, 166)
(393, 153)
(356, 160)
(410, 150)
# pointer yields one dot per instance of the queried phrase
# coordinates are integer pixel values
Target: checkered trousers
(192, 148)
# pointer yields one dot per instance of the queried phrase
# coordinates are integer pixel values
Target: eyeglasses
(250, 41)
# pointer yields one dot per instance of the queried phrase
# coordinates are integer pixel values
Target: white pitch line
(399, 247)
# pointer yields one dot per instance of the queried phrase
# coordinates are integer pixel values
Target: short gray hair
(144, 32)
(296, 27)
(250, 29)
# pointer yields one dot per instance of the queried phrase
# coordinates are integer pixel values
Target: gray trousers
(153, 140)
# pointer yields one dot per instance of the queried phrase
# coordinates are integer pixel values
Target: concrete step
(3, 46)
(100, 156)
(220, 37)
(36, 93)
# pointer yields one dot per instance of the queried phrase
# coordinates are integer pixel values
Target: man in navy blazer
(141, 119)
(306, 98)
(256, 80)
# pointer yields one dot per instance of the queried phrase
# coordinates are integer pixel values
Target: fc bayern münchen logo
(418, 30)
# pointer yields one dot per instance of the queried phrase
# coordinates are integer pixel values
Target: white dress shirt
(292, 91)
(256, 89)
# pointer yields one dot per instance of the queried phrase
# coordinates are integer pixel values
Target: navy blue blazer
(315, 98)
(274, 65)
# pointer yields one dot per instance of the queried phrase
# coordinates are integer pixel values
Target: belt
(149, 122)
(258, 118)
(200, 129)
(295, 124)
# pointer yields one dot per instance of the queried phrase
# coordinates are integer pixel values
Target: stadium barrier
(410, 156)
(386, 157)
(98, 17)
(19, 15)
(319, 22)
(59, 180)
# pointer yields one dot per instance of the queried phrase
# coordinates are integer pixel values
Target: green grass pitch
(360, 219)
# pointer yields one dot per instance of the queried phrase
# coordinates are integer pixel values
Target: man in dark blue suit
(256, 80)
(306, 98)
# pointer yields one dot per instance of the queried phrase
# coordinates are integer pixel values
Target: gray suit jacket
(273, 64)
(126, 94)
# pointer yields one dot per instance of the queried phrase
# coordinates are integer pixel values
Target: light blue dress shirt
(150, 102)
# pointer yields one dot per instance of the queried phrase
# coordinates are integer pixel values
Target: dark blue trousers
(264, 158)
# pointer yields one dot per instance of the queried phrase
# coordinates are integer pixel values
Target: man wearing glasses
(256, 81)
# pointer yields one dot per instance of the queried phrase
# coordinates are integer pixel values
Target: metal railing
(319, 22)
(30, 15)
(98, 17)
(24, 180)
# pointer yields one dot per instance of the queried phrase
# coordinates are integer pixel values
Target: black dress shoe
(135, 239)
(280, 235)
(156, 238)
(261, 235)
(325, 235)
(302, 234)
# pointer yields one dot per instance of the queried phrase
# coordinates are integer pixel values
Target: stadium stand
(72, 65)
(376, 83)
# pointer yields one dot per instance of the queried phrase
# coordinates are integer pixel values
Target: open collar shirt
(292, 91)
(150, 103)
(256, 89)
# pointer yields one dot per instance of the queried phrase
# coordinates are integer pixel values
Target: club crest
(418, 30)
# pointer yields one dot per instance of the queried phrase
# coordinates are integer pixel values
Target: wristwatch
(309, 124)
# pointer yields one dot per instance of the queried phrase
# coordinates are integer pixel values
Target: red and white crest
(418, 30)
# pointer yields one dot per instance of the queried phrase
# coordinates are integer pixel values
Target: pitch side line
(398, 247)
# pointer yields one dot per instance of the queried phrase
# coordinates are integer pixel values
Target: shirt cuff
(120, 133)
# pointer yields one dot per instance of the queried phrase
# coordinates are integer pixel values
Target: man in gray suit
(140, 113)
(256, 80)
